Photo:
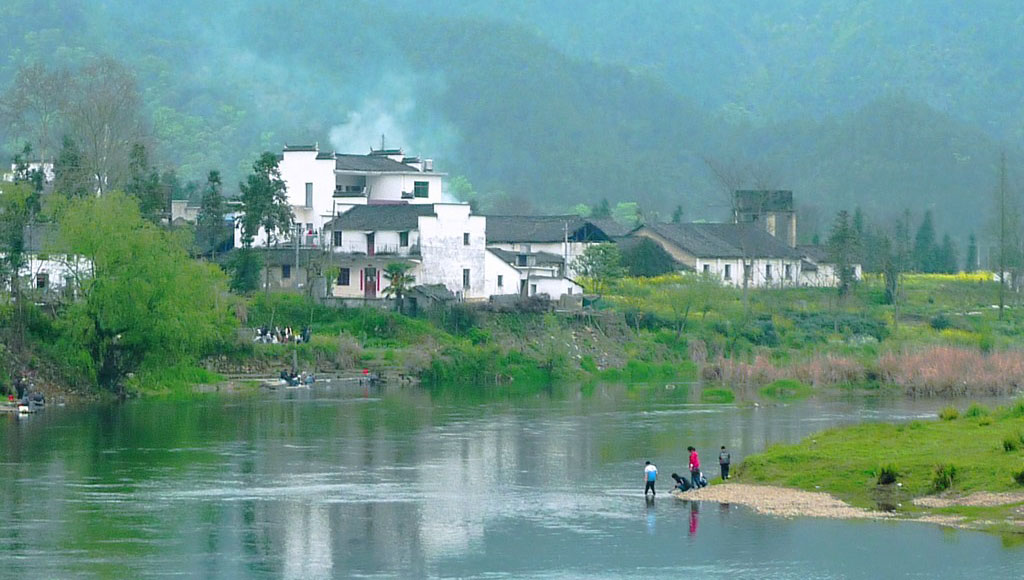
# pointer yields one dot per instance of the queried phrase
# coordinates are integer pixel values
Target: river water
(344, 481)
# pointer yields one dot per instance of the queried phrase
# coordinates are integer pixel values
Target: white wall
(390, 186)
(758, 279)
(553, 287)
(444, 256)
(570, 251)
(494, 267)
(299, 168)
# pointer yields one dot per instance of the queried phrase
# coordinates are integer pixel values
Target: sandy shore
(780, 501)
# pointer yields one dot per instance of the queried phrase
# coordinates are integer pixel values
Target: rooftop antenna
(382, 141)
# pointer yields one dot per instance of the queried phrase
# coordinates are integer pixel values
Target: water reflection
(400, 482)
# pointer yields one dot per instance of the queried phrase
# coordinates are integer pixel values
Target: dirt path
(780, 501)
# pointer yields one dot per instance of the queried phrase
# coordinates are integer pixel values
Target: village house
(736, 254)
(443, 243)
(566, 236)
(48, 275)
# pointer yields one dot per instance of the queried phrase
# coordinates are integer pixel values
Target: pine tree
(210, 228)
(925, 249)
(842, 248)
(972, 254)
(949, 263)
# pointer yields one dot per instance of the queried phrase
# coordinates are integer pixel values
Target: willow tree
(144, 303)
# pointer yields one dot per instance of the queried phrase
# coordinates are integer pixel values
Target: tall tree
(105, 121)
(842, 247)
(35, 106)
(144, 183)
(71, 178)
(15, 213)
(971, 263)
(949, 260)
(602, 210)
(145, 303)
(210, 230)
(265, 203)
(925, 248)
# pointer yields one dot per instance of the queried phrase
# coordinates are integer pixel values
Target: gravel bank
(780, 501)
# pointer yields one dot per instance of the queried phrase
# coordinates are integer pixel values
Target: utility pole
(1002, 233)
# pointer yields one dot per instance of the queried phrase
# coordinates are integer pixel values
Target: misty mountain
(571, 102)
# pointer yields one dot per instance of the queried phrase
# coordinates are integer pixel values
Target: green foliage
(949, 413)
(145, 302)
(245, 265)
(786, 390)
(264, 200)
(945, 477)
(976, 410)
(645, 258)
(1011, 443)
(1018, 477)
(887, 474)
(600, 264)
(400, 281)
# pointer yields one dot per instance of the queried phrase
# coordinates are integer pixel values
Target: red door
(370, 282)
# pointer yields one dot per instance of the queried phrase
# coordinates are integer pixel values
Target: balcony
(350, 191)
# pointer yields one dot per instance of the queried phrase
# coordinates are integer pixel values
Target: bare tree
(35, 106)
(104, 120)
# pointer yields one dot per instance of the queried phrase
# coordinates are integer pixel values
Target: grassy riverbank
(936, 467)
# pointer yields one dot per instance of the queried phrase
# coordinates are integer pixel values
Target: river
(343, 481)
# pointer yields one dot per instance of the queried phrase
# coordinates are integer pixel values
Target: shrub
(588, 364)
(976, 410)
(887, 474)
(940, 322)
(949, 413)
(1010, 443)
(785, 389)
(945, 477)
(1019, 477)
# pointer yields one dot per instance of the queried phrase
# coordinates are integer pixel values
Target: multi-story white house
(443, 242)
(565, 236)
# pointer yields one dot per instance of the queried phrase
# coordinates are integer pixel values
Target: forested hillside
(546, 106)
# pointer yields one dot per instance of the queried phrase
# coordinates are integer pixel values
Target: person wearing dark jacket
(723, 462)
(681, 484)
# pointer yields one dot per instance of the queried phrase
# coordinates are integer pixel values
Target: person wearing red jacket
(694, 467)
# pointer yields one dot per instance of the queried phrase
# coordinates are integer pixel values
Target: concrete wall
(445, 256)
(716, 267)
(495, 267)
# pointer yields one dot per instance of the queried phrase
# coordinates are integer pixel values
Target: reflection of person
(650, 476)
(693, 518)
(723, 462)
(694, 467)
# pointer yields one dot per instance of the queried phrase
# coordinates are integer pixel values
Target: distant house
(527, 273)
(818, 269)
(734, 253)
(771, 210)
(48, 275)
(562, 235)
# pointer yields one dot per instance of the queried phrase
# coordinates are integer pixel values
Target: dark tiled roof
(325, 155)
(300, 147)
(438, 292)
(541, 257)
(611, 227)
(375, 163)
(724, 240)
(813, 253)
(381, 217)
(542, 229)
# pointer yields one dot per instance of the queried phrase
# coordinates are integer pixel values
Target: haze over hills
(861, 103)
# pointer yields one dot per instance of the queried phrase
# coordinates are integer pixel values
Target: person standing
(723, 462)
(694, 467)
(650, 476)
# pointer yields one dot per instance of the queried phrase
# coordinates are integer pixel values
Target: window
(746, 271)
(309, 195)
(767, 271)
(286, 271)
(421, 189)
(336, 238)
(42, 280)
(533, 289)
(343, 277)
(789, 271)
(465, 278)
(707, 269)
(403, 239)
(501, 280)
(728, 271)
(521, 260)
(465, 239)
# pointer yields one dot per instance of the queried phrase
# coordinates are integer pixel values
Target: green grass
(786, 390)
(717, 396)
(845, 461)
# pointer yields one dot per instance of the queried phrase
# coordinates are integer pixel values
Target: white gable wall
(445, 256)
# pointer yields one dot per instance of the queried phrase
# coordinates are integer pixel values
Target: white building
(526, 273)
(565, 236)
(729, 252)
(443, 242)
